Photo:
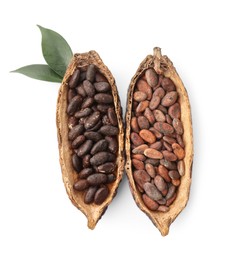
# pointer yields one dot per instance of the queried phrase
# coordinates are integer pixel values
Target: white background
(37, 220)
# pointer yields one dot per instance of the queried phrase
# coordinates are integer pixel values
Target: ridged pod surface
(92, 211)
(164, 68)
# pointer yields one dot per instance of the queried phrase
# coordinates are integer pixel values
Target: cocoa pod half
(151, 71)
(93, 209)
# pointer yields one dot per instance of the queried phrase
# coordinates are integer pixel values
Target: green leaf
(56, 51)
(39, 71)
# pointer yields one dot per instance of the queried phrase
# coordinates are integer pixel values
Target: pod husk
(92, 211)
(164, 66)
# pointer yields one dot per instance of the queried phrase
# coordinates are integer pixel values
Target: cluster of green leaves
(57, 54)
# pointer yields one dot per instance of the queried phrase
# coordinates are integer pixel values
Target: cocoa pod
(174, 105)
(91, 102)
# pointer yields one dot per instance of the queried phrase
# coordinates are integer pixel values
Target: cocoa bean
(138, 165)
(74, 80)
(103, 98)
(178, 126)
(174, 111)
(151, 77)
(160, 92)
(136, 139)
(74, 105)
(84, 112)
(140, 96)
(142, 106)
(112, 116)
(150, 204)
(143, 122)
(169, 156)
(169, 165)
(89, 88)
(107, 167)
(81, 185)
(90, 73)
(167, 84)
(112, 144)
(89, 195)
(71, 94)
(134, 124)
(102, 86)
(163, 208)
(169, 99)
(84, 148)
(92, 120)
(164, 128)
(85, 173)
(78, 141)
(178, 151)
(163, 172)
(76, 162)
(101, 195)
(94, 136)
(147, 136)
(88, 102)
(171, 192)
(100, 146)
(153, 154)
(139, 157)
(150, 170)
(140, 149)
(174, 175)
(159, 115)
(86, 161)
(181, 167)
(149, 115)
(141, 177)
(160, 183)
(151, 191)
(144, 87)
(109, 130)
(101, 158)
(75, 131)
(155, 101)
(100, 78)
(97, 179)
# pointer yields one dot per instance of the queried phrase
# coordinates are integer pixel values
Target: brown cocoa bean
(74, 105)
(162, 201)
(160, 183)
(112, 116)
(89, 195)
(102, 86)
(151, 191)
(141, 177)
(156, 133)
(175, 182)
(157, 145)
(100, 78)
(85, 173)
(169, 165)
(169, 139)
(71, 94)
(150, 204)
(83, 112)
(103, 98)
(140, 149)
(163, 172)
(80, 90)
(97, 126)
(109, 130)
(81, 185)
(151, 77)
(155, 101)
(150, 170)
(143, 122)
(99, 146)
(180, 140)
(167, 146)
(164, 128)
(92, 120)
(134, 124)
(88, 102)
(101, 195)
(147, 136)
(140, 96)
(90, 73)
(94, 136)
(174, 111)
(86, 161)
(162, 108)
(159, 115)
(160, 92)
(143, 86)
(139, 157)
(154, 162)
(171, 200)
(168, 119)
(89, 88)
(112, 144)
(178, 126)
(153, 154)
(169, 99)
(76, 162)
(97, 179)
(84, 148)
(138, 165)
(101, 158)
(75, 131)
(103, 108)
(169, 156)
(78, 141)
(171, 192)
(174, 175)
(107, 167)
(72, 122)
(149, 115)
(181, 167)
(111, 178)
(167, 84)
(136, 139)
(178, 151)
(74, 80)
(142, 106)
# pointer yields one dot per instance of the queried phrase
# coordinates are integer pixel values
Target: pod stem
(157, 59)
